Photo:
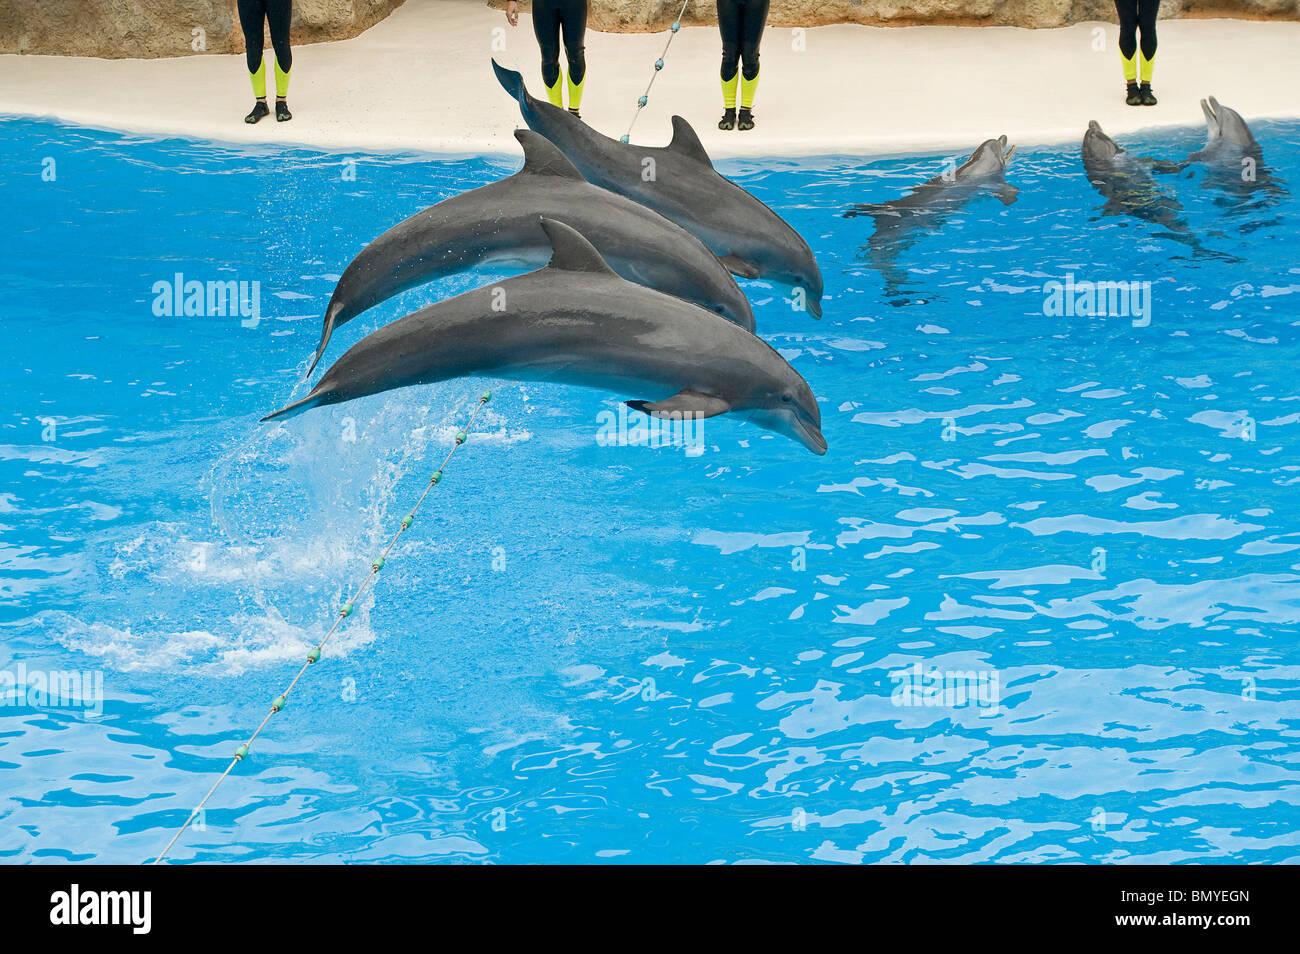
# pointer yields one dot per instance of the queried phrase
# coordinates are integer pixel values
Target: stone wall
(619, 16)
(150, 28)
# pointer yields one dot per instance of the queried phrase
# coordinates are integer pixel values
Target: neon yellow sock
(556, 93)
(729, 91)
(281, 81)
(575, 91)
(1148, 67)
(259, 80)
(747, 89)
(1130, 67)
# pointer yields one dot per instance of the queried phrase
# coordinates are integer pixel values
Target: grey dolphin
(900, 222)
(577, 322)
(1234, 158)
(679, 181)
(501, 222)
(1125, 181)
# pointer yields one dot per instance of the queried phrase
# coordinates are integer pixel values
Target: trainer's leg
(573, 22)
(1127, 11)
(754, 20)
(729, 25)
(279, 13)
(546, 26)
(1147, 11)
(251, 17)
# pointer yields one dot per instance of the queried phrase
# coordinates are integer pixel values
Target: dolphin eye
(786, 399)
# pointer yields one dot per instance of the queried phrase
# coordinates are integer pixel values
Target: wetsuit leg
(546, 26)
(252, 14)
(729, 26)
(1146, 13)
(1127, 10)
(754, 19)
(251, 17)
(573, 24)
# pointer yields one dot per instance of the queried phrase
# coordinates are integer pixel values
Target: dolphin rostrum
(900, 222)
(576, 321)
(679, 181)
(501, 222)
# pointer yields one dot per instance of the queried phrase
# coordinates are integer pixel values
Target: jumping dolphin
(1235, 160)
(1125, 182)
(501, 222)
(679, 181)
(900, 222)
(577, 322)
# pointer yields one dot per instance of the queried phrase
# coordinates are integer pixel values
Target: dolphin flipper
(684, 403)
(1006, 193)
(738, 266)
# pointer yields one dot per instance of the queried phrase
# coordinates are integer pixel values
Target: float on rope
(659, 65)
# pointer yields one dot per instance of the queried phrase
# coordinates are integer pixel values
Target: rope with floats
(659, 65)
(345, 611)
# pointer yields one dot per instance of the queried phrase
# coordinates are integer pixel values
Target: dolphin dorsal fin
(571, 252)
(543, 158)
(686, 143)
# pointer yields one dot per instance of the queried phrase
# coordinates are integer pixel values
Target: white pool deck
(421, 80)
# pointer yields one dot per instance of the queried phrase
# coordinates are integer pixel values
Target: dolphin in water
(576, 321)
(679, 181)
(501, 223)
(1234, 159)
(900, 222)
(1125, 181)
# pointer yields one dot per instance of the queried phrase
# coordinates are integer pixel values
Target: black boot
(1134, 97)
(745, 120)
(259, 110)
(282, 114)
(728, 120)
(1148, 98)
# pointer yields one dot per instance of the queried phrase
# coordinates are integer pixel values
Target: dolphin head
(787, 259)
(787, 406)
(990, 159)
(1223, 123)
(1097, 145)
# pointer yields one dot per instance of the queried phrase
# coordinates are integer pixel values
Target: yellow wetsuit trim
(729, 91)
(556, 93)
(1148, 67)
(1130, 67)
(575, 92)
(281, 80)
(747, 89)
(259, 80)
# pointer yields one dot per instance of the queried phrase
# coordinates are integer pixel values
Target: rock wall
(150, 28)
(619, 16)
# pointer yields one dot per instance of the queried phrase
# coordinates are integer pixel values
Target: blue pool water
(615, 653)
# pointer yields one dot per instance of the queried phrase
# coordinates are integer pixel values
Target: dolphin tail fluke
(315, 399)
(513, 83)
(327, 329)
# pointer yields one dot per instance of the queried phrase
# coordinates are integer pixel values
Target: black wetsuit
(741, 23)
(551, 20)
(276, 13)
(1135, 15)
